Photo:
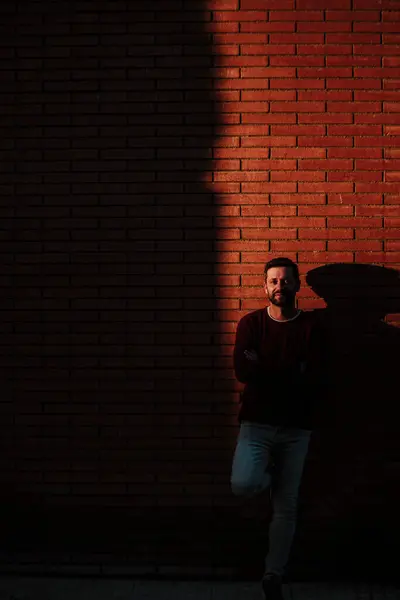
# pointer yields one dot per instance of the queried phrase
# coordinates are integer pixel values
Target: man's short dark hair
(282, 262)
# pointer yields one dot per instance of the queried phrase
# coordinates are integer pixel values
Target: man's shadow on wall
(350, 482)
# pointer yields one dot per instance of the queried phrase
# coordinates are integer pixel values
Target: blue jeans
(272, 457)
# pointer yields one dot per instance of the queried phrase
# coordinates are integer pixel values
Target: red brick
(391, 61)
(373, 118)
(268, 72)
(241, 15)
(298, 153)
(391, 38)
(297, 107)
(268, 233)
(267, 27)
(353, 15)
(378, 164)
(392, 222)
(268, 95)
(392, 152)
(353, 38)
(297, 222)
(297, 84)
(296, 38)
(268, 164)
(390, 16)
(375, 211)
(221, 153)
(335, 4)
(325, 72)
(266, 4)
(355, 84)
(269, 118)
(298, 199)
(297, 176)
(391, 106)
(225, 234)
(325, 141)
(296, 61)
(267, 210)
(375, 27)
(392, 245)
(241, 176)
(355, 198)
(328, 187)
(241, 199)
(349, 61)
(297, 129)
(278, 187)
(325, 234)
(354, 245)
(241, 84)
(243, 107)
(334, 95)
(376, 140)
(391, 84)
(378, 95)
(268, 141)
(392, 176)
(298, 245)
(374, 257)
(379, 187)
(326, 211)
(323, 49)
(392, 199)
(325, 257)
(324, 26)
(259, 257)
(240, 38)
(266, 49)
(354, 222)
(377, 50)
(325, 118)
(327, 164)
(296, 15)
(354, 153)
(239, 61)
(377, 234)
(244, 246)
(354, 176)
(246, 129)
(354, 107)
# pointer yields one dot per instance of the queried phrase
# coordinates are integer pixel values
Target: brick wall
(153, 156)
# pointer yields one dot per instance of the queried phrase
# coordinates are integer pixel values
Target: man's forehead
(279, 272)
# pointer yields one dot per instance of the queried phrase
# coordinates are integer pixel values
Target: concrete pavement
(47, 588)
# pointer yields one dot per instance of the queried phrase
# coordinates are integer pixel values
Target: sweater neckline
(299, 311)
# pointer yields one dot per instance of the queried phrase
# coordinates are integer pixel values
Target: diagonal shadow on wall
(110, 333)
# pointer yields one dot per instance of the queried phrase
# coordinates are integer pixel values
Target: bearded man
(278, 355)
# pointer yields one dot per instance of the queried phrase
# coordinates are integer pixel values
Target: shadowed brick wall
(153, 156)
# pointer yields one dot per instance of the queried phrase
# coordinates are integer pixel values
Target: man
(278, 356)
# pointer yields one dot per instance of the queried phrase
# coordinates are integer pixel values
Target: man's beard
(286, 299)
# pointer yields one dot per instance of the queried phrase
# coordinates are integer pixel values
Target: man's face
(281, 286)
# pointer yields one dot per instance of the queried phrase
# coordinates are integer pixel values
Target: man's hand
(251, 355)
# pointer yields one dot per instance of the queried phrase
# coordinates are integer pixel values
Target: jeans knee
(243, 488)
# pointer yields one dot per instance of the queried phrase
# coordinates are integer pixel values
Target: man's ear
(298, 285)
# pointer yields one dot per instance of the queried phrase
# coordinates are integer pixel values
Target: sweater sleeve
(245, 370)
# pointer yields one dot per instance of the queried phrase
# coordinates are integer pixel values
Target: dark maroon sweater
(283, 387)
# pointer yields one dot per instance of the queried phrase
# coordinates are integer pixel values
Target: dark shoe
(272, 587)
